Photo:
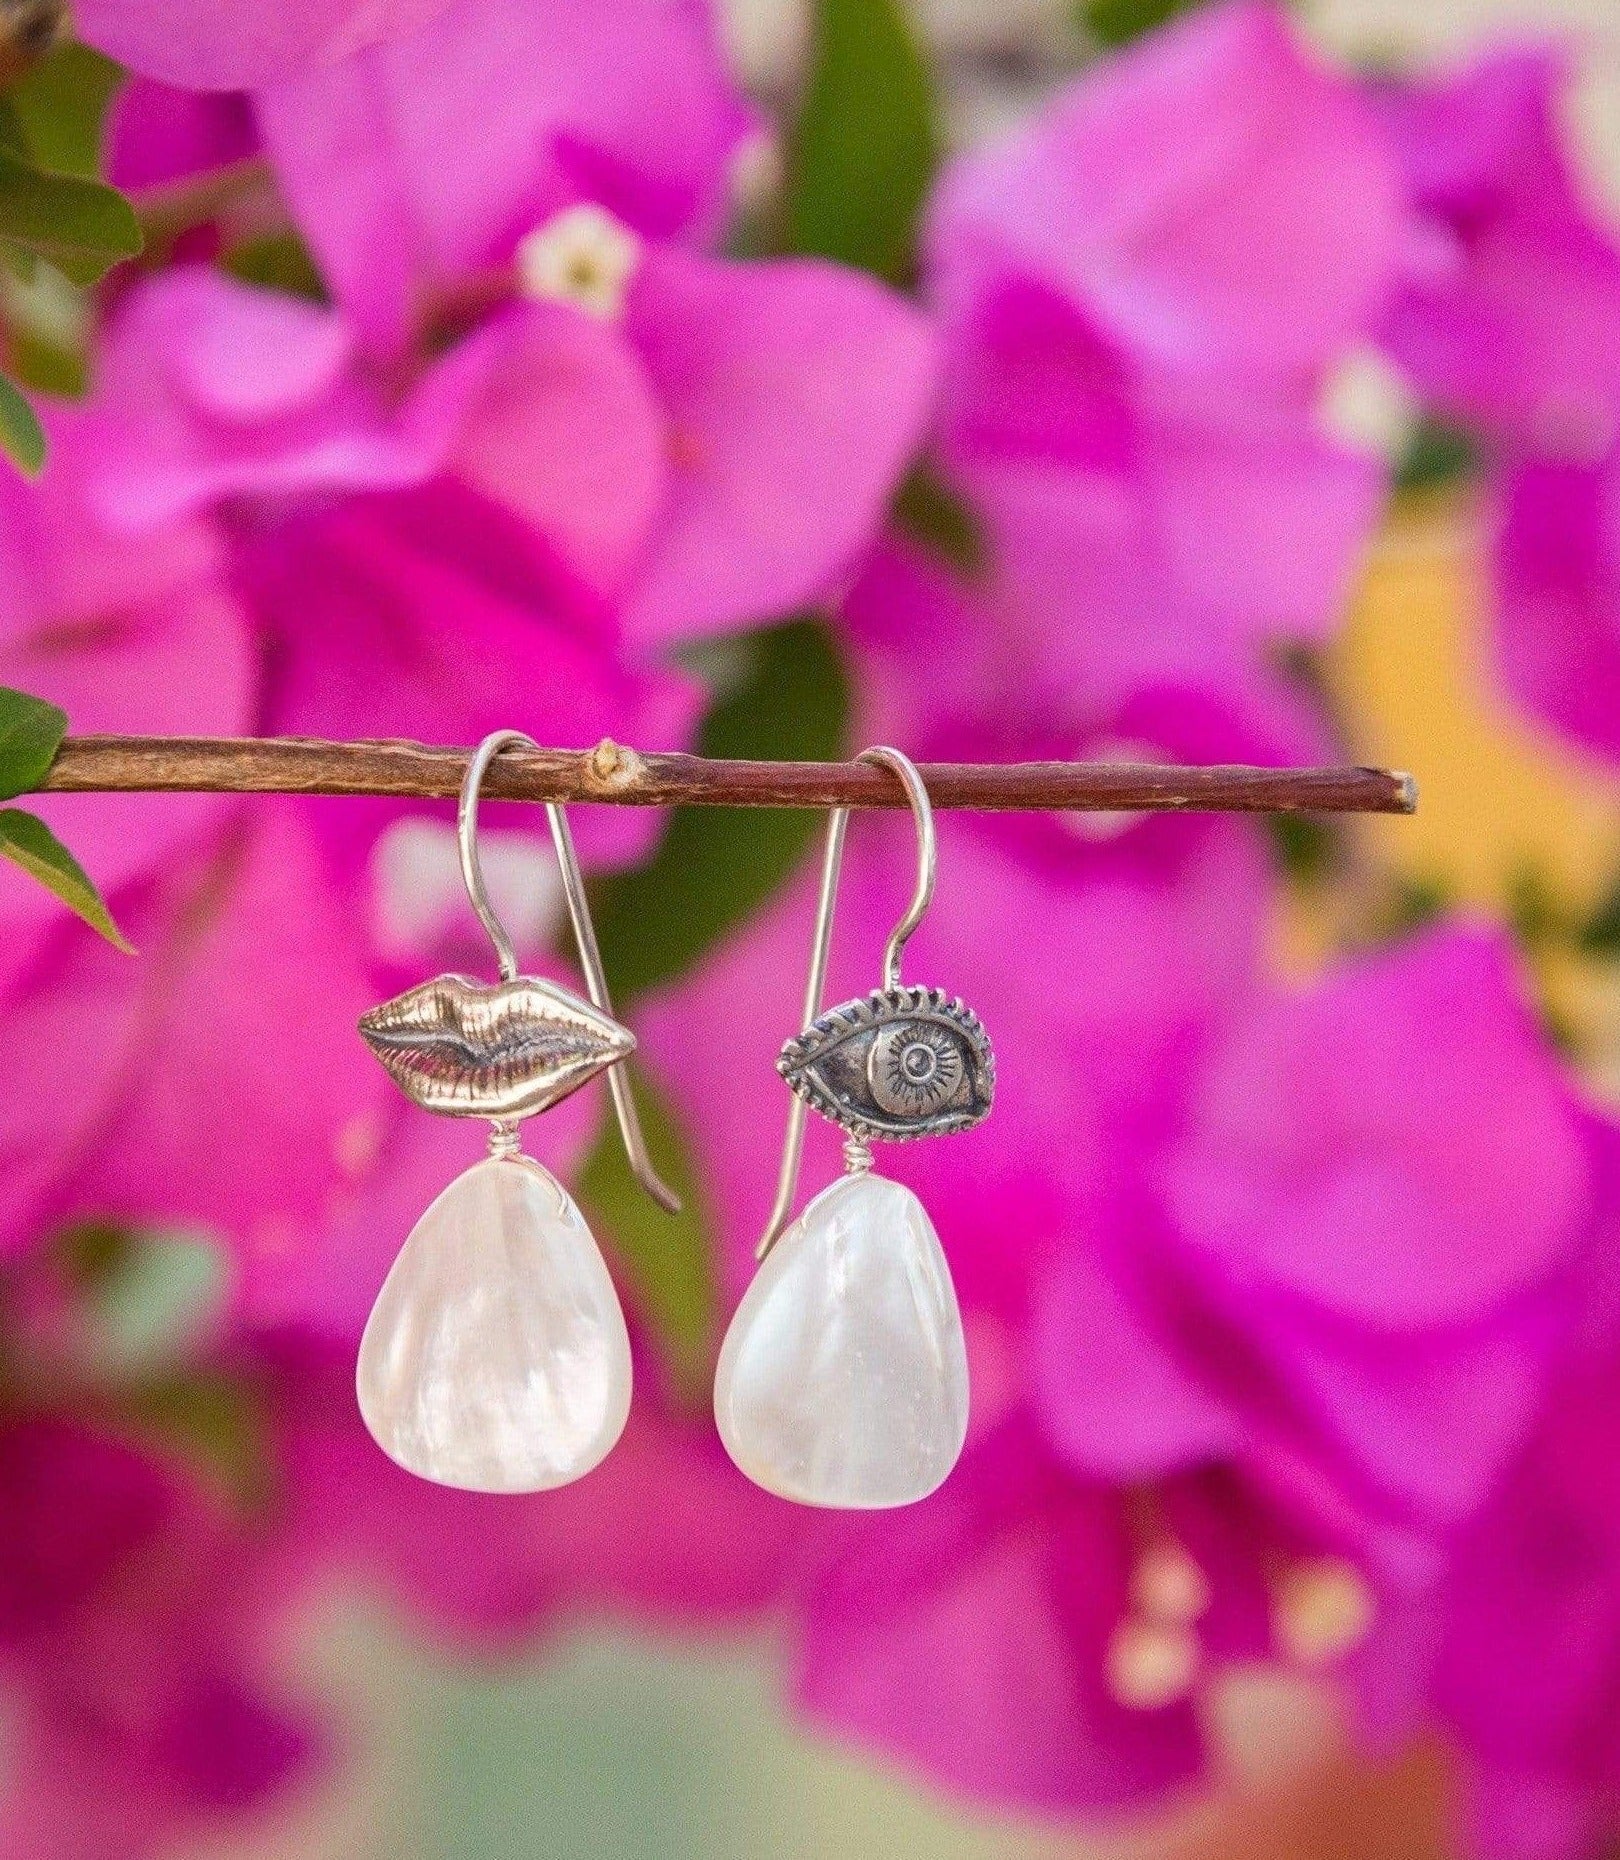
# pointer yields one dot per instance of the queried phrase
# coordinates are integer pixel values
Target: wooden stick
(612, 773)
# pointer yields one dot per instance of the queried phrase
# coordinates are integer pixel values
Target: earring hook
(579, 915)
(922, 813)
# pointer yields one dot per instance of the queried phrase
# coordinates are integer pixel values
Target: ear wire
(579, 915)
(922, 812)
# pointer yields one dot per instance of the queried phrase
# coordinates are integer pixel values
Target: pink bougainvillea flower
(236, 43)
(715, 460)
(746, 422)
(795, 395)
(1244, 255)
(1529, 1639)
(1514, 1648)
(664, 1530)
(1362, 1196)
(1557, 593)
(1079, 1620)
(157, 135)
(249, 1104)
(219, 395)
(968, 1636)
(626, 105)
(1098, 960)
(1111, 899)
(1136, 343)
(1350, 1263)
(1307, 1342)
(1304, 1402)
(209, 390)
(985, 682)
(1508, 314)
(157, 1088)
(127, 636)
(213, 1082)
(1508, 320)
(135, 1609)
(701, 445)
(417, 613)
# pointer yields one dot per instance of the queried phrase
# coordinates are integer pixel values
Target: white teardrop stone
(843, 1379)
(496, 1357)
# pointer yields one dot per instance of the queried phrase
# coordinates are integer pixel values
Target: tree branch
(296, 765)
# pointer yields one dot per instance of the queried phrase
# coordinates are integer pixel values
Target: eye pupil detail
(915, 1068)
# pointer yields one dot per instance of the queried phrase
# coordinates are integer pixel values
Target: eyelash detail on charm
(467, 1049)
(903, 1062)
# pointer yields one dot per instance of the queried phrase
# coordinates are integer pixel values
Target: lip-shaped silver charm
(502, 1051)
(900, 1063)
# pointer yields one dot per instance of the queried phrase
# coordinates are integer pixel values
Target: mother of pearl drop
(496, 1357)
(843, 1380)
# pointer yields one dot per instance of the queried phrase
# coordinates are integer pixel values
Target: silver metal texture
(866, 1089)
(506, 1052)
(903, 1063)
(502, 1051)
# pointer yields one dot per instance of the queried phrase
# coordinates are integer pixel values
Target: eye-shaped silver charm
(843, 1378)
(902, 1063)
(899, 1063)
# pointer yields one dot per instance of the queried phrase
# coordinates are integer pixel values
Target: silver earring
(496, 1357)
(843, 1379)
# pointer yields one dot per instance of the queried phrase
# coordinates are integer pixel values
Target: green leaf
(715, 866)
(145, 1298)
(1599, 935)
(1413, 903)
(215, 1421)
(61, 107)
(1537, 916)
(1117, 22)
(27, 841)
(12, 136)
(47, 367)
(1308, 849)
(81, 227)
(862, 150)
(1437, 454)
(278, 261)
(30, 733)
(93, 1254)
(930, 512)
(665, 1258)
(1108, 23)
(20, 431)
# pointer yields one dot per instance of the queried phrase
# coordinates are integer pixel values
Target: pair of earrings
(497, 1359)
